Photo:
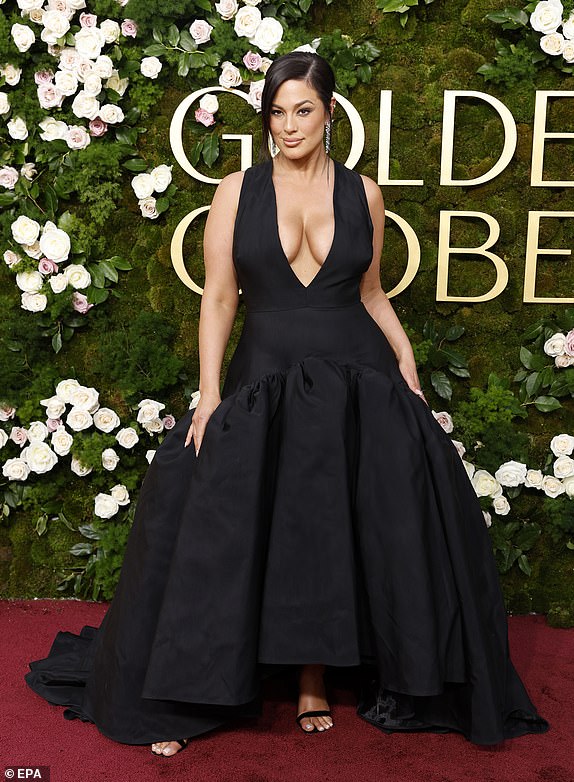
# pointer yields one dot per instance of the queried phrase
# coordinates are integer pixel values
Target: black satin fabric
(327, 519)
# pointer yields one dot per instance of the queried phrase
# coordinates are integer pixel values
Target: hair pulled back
(303, 66)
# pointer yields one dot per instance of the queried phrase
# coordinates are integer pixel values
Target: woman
(322, 516)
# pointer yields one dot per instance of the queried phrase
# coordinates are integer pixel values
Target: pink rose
(80, 303)
(8, 177)
(444, 420)
(43, 77)
(88, 20)
(46, 266)
(18, 435)
(129, 28)
(569, 344)
(49, 96)
(53, 423)
(98, 127)
(252, 60)
(168, 422)
(205, 117)
(6, 411)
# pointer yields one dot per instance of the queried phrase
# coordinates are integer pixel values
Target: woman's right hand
(205, 407)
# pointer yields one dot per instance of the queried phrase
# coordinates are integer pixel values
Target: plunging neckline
(278, 237)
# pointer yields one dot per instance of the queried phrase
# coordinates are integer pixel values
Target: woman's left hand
(409, 372)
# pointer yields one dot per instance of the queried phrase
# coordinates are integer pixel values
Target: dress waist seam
(303, 307)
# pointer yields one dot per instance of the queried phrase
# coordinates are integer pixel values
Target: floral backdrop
(99, 337)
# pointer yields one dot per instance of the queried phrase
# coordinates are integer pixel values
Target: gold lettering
(532, 253)
(385, 113)
(539, 136)
(414, 254)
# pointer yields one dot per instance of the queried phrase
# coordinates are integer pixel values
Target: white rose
(39, 457)
(77, 137)
(562, 445)
(19, 435)
(83, 68)
(148, 410)
(28, 5)
(568, 51)
(37, 431)
(106, 420)
(76, 5)
(33, 302)
(53, 129)
(116, 84)
(251, 2)
(23, 36)
(444, 420)
(501, 506)
(555, 345)
(552, 43)
(8, 177)
(230, 75)
(268, 35)
(149, 455)
(105, 506)
(151, 66)
(226, 8)
(148, 207)
(110, 459)
(533, 479)
(103, 66)
(127, 437)
(69, 59)
(85, 105)
(66, 82)
(66, 388)
(161, 177)
(111, 30)
(460, 449)
(31, 282)
(84, 398)
(111, 114)
(255, 93)
(568, 484)
(54, 406)
(4, 103)
(11, 258)
(209, 103)
(89, 42)
(15, 469)
(56, 25)
(247, 20)
(33, 250)
(78, 276)
(195, 397)
(143, 185)
(546, 17)
(154, 426)
(55, 243)
(485, 484)
(470, 468)
(564, 467)
(78, 468)
(564, 360)
(551, 486)
(62, 441)
(487, 518)
(3, 438)
(11, 74)
(120, 493)
(29, 171)
(568, 27)
(58, 282)
(78, 419)
(93, 84)
(17, 128)
(49, 96)
(25, 230)
(200, 31)
(511, 473)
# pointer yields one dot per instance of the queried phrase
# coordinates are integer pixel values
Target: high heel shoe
(182, 742)
(316, 713)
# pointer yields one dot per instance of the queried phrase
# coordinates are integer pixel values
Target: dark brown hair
(304, 66)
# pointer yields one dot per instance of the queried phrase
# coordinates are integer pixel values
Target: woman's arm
(219, 301)
(375, 299)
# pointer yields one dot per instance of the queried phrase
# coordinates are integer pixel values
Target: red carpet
(272, 748)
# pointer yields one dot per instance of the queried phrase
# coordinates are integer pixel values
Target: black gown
(327, 519)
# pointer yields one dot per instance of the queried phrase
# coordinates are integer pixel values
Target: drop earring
(328, 137)
(274, 149)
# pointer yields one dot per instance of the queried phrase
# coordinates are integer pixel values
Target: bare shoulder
(373, 191)
(229, 187)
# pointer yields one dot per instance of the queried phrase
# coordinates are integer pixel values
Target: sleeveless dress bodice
(326, 519)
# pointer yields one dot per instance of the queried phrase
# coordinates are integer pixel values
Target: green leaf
(533, 383)
(524, 565)
(454, 357)
(526, 357)
(109, 270)
(532, 332)
(97, 295)
(186, 42)
(521, 375)
(120, 263)
(546, 404)
(205, 4)
(136, 165)
(81, 549)
(560, 387)
(154, 50)
(161, 205)
(454, 332)
(51, 199)
(57, 342)
(184, 63)
(173, 34)
(41, 524)
(527, 536)
(6, 199)
(210, 149)
(441, 385)
(88, 531)
(97, 275)
(127, 135)
(157, 36)
(459, 371)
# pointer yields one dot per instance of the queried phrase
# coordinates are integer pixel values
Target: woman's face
(297, 119)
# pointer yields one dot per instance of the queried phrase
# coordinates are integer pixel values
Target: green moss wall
(440, 49)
